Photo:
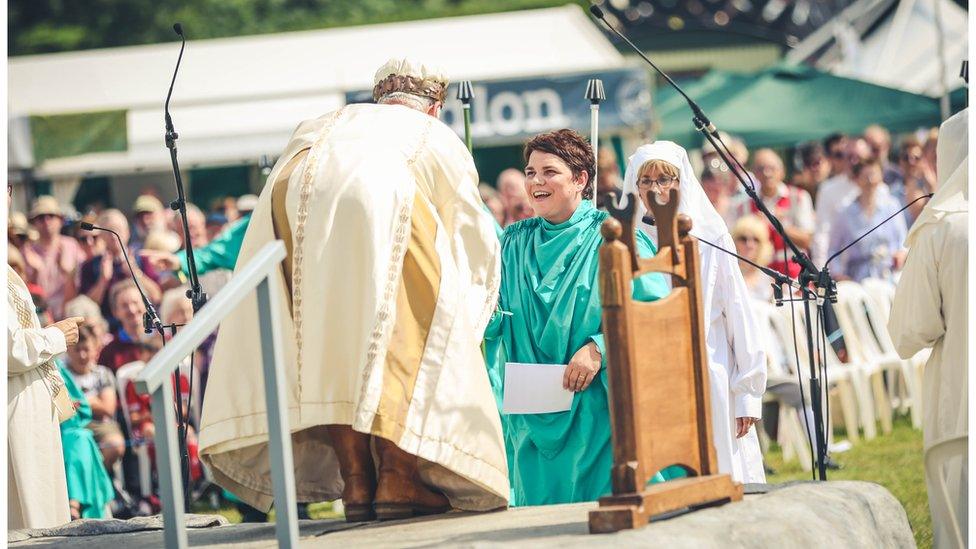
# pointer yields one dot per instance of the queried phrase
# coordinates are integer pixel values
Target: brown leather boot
(400, 493)
(357, 470)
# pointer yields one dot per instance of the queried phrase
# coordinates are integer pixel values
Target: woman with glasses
(737, 363)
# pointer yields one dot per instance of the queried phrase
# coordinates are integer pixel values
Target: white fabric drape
(737, 363)
(37, 491)
(349, 210)
(930, 309)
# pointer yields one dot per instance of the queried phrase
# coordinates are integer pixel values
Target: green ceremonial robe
(550, 286)
(219, 253)
(88, 482)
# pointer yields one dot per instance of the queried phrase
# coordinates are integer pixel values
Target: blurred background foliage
(45, 26)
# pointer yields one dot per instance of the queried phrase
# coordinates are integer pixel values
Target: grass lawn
(893, 461)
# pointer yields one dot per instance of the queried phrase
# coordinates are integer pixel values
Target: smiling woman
(550, 313)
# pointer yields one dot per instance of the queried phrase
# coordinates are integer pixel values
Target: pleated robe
(37, 492)
(931, 310)
(391, 277)
(550, 286)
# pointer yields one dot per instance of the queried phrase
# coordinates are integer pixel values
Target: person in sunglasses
(917, 178)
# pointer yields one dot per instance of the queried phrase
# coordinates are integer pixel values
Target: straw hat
(17, 225)
(148, 203)
(45, 205)
(246, 203)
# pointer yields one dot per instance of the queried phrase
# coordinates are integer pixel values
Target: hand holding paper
(535, 389)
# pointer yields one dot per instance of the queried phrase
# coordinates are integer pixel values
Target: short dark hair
(859, 167)
(833, 139)
(811, 152)
(571, 147)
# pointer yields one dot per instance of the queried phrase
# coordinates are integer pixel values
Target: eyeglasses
(838, 154)
(911, 157)
(663, 182)
(744, 238)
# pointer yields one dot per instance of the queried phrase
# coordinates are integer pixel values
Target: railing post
(167, 465)
(279, 434)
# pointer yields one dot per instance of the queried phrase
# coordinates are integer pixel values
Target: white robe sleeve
(916, 320)
(747, 369)
(28, 348)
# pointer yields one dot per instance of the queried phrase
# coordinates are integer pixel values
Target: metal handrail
(157, 380)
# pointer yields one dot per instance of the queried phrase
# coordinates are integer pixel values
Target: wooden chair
(658, 373)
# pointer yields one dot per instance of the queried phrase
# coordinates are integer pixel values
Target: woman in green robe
(550, 313)
(89, 486)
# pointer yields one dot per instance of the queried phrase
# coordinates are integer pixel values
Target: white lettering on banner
(510, 113)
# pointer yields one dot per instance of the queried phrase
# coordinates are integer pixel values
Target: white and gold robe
(392, 274)
(931, 310)
(37, 491)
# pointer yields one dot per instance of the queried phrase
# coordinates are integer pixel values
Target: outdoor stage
(834, 514)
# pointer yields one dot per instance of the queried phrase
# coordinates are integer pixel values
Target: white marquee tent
(239, 98)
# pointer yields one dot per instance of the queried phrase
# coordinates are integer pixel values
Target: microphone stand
(198, 298)
(595, 94)
(151, 322)
(809, 272)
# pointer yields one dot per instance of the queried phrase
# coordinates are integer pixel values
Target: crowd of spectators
(838, 189)
(72, 272)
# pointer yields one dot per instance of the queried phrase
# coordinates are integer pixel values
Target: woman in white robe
(737, 363)
(931, 310)
(37, 490)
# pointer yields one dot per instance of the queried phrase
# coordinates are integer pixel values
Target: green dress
(550, 287)
(88, 482)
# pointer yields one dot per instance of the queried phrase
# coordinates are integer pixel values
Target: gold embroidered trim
(381, 329)
(28, 320)
(305, 194)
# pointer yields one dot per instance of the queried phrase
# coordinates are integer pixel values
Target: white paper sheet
(535, 389)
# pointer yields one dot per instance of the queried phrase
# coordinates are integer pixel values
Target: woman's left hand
(583, 368)
(743, 424)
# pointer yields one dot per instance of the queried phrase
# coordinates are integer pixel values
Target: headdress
(408, 76)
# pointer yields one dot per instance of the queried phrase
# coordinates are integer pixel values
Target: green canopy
(789, 104)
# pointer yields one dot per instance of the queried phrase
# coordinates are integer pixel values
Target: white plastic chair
(123, 378)
(936, 457)
(863, 348)
(846, 379)
(791, 434)
(883, 293)
(876, 347)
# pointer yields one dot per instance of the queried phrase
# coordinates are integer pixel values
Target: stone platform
(834, 515)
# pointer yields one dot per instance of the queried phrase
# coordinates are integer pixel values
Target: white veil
(692, 201)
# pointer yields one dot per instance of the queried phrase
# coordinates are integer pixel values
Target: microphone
(169, 121)
(150, 319)
(829, 289)
(779, 277)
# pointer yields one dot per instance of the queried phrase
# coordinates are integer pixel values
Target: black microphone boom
(195, 293)
(150, 319)
(809, 272)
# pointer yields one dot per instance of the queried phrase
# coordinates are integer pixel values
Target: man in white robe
(391, 277)
(736, 360)
(930, 310)
(37, 490)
